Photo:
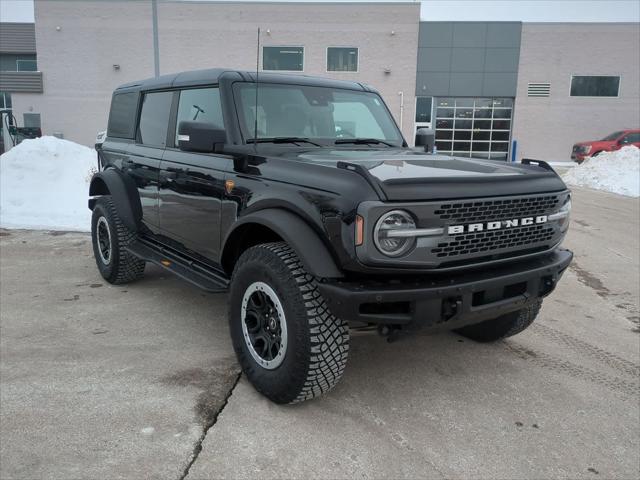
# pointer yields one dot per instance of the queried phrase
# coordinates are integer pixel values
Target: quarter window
(201, 105)
(595, 86)
(154, 118)
(122, 118)
(283, 58)
(342, 59)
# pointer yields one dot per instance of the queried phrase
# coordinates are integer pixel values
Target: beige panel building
(86, 49)
(546, 127)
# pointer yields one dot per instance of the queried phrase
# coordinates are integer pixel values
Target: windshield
(320, 114)
(611, 137)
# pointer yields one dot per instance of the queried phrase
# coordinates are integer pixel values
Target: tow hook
(390, 332)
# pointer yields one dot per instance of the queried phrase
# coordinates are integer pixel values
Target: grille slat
(494, 242)
(497, 209)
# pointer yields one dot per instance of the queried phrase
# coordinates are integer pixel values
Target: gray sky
(463, 10)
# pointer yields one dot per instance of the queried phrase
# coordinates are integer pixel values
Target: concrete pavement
(127, 382)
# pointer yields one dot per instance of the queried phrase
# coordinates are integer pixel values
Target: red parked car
(612, 142)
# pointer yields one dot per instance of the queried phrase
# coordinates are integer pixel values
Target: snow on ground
(616, 172)
(44, 184)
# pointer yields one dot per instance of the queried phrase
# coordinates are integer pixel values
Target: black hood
(404, 174)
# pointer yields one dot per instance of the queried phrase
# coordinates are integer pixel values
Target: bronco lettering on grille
(496, 225)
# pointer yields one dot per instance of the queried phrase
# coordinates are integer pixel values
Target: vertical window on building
(283, 58)
(423, 109)
(154, 118)
(5, 100)
(342, 59)
(201, 105)
(595, 86)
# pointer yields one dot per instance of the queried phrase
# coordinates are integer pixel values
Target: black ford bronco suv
(300, 197)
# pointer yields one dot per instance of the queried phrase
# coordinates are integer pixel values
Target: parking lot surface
(140, 381)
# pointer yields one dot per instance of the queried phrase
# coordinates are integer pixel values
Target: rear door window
(199, 105)
(154, 119)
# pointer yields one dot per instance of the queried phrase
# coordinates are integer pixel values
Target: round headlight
(389, 234)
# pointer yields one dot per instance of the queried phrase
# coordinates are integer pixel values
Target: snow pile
(44, 183)
(616, 172)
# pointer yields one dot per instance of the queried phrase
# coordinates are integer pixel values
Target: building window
(342, 59)
(26, 66)
(283, 58)
(423, 109)
(5, 100)
(474, 127)
(595, 86)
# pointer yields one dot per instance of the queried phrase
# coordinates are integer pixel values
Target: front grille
(467, 212)
(478, 242)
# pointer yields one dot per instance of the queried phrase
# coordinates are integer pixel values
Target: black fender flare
(124, 195)
(299, 235)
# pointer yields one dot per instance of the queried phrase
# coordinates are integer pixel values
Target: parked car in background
(612, 142)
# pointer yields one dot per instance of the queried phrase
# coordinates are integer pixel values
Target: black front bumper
(450, 301)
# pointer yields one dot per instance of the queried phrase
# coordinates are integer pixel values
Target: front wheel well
(243, 238)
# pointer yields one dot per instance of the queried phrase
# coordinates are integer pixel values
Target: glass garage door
(474, 127)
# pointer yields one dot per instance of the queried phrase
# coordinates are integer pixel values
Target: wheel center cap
(272, 324)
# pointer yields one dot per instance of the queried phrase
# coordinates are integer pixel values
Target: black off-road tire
(502, 327)
(317, 342)
(122, 267)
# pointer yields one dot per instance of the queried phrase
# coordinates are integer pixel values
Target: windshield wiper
(282, 140)
(363, 141)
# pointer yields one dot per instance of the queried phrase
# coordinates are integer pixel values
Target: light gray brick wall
(546, 128)
(77, 60)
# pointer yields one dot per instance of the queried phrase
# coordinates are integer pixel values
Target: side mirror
(425, 137)
(200, 137)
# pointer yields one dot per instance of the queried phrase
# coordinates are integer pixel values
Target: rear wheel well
(243, 238)
(97, 187)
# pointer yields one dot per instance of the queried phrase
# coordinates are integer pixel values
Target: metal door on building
(474, 127)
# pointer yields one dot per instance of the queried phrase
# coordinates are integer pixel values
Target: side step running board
(205, 278)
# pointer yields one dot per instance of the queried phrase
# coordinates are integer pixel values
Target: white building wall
(77, 44)
(546, 128)
(77, 59)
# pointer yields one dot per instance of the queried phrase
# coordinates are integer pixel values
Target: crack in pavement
(212, 421)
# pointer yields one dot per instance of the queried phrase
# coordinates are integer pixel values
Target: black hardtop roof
(214, 75)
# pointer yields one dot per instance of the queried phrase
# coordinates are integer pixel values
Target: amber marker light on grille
(359, 230)
(228, 185)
